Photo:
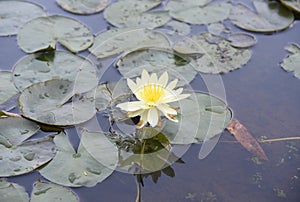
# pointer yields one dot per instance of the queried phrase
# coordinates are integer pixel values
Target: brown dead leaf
(242, 135)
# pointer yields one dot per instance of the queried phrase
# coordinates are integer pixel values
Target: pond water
(263, 97)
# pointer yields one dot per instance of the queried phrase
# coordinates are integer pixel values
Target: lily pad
(7, 88)
(292, 62)
(180, 28)
(269, 16)
(242, 40)
(157, 61)
(49, 192)
(83, 6)
(48, 102)
(48, 30)
(12, 192)
(214, 54)
(128, 13)
(202, 116)
(217, 29)
(198, 12)
(116, 41)
(292, 4)
(14, 14)
(75, 169)
(45, 66)
(17, 155)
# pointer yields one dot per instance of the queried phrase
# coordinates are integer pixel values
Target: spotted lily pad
(12, 192)
(83, 6)
(116, 41)
(128, 13)
(48, 102)
(292, 62)
(157, 61)
(17, 155)
(214, 54)
(49, 192)
(45, 66)
(14, 14)
(292, 4)
(269, 16)
(198, 12)
(76, 169)
(7, 88)
(241, 40)
(202, 116)
(48, 30)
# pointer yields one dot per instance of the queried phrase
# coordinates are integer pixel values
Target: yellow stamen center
(151, 93)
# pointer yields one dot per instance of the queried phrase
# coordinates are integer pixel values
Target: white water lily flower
(153, 94)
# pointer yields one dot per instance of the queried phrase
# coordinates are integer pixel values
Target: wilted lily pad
(76, 169)
(83, 6)
(47, 102)
(116, 41)
(197, 12)
(14, 14)
(214, 54)
(12, 192)
(202, 116)
(47, 31)
(7, 88)
(292, 4)
(49, 192)
(55, 65)
(128, 13)
(269, 16)
(292, 62)
(241, 40)
(157, 61)
(17, 156)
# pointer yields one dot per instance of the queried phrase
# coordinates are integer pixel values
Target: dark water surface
(264, 98)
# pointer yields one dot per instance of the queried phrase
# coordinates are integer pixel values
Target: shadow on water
(263, 97)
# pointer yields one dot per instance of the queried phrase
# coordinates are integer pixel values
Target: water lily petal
(171, 117)
(143, 119)
(135, 113)
(166, 109)
(145, 77)
(131, 106)
(153, 116)
(133, 87)
(153, 79)
(163, 79)
(172, 84)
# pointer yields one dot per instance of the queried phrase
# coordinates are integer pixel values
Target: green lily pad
(217, 29)
(269, 16)
(202, 116)
(198, 12)
(49, 192)
(128, 13)
(14, 14)
(292, 62)
(7, 88)
(55, 65)
(47, 102)
(48, 30)
(12, 192)
(83, 6)
(116, 41)
(180, 28)
(241, 40)
(76, 169)
(17, 155)
(157, 61)
(110, 94)
(214, 54)
(292, 4)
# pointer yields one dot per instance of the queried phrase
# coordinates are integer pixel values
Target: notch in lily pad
(43, 33)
